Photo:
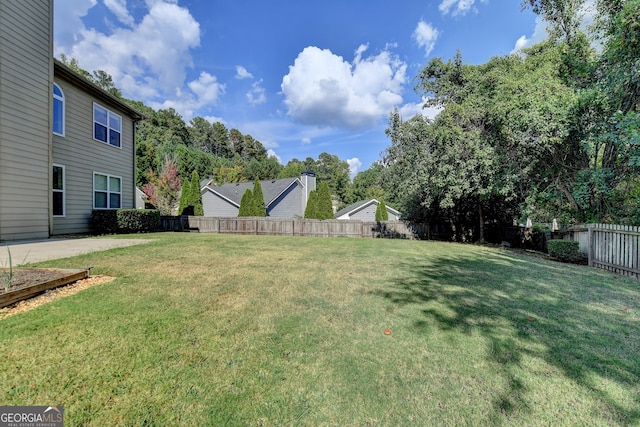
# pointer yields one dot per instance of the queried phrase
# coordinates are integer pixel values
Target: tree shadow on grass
(576, 319)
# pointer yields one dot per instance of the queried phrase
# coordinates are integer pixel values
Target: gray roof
(271, 189)
(357, 205)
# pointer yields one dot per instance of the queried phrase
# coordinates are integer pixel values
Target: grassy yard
(205, 329)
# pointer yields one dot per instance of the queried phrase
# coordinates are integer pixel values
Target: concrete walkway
(26, 251)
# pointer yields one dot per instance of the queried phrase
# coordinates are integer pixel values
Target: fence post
(590, 245)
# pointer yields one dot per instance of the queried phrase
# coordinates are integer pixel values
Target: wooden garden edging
(23, 293)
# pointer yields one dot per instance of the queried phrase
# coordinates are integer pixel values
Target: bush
(104, 221)
(564, 250)
(138, 220)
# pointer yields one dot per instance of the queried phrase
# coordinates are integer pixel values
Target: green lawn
(206, 329)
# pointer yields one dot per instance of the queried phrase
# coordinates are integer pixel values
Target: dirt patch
(50, 295)
(24, 277)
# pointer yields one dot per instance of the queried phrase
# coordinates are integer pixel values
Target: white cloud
(354, 166)
(459, 7)
(426, 35)
(242, 73)
(540, 33)
(306, 140)
(410, 110)
(206, 88)
(119, 8)
(148, 60)
(323, 89)
(257, 94)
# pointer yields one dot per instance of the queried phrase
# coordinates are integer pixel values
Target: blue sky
(302, 77)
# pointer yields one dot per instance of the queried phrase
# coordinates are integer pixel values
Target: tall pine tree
(246, 204)
(311, 211)
(325, 204)
(259, 208)
(381, 212)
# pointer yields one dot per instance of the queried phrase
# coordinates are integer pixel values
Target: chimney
(308, 179)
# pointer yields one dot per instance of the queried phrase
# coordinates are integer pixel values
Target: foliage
(311, 210)
(246, 204)
(381, 212)
(104, 221)
(367, 185)
(191, 197)
(258, 206)
(163, 190)
(137, 220)
(324, 203)
(564, 250)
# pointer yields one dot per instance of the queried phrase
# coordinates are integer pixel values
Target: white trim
(285, 189)
(53, 108)
(108, 191)
(108, 126)
(63, 191)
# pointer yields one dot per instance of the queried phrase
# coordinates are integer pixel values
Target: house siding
(82, 156)
(213, 203)
(289, 203)
(26, 69)
(367, 213)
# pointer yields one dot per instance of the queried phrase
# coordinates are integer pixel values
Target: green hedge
(565, 250)
(104, 221)
(138, 220)
(124, 221)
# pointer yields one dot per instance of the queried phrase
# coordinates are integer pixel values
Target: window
(58, 191)
(58, 110)
(107, 191)
(107, 126)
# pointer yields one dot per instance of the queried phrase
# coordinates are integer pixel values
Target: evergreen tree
(259, 208)
(381, 212)
(196, 195)
(324, 202)
(186, 205)
(246, 204)
(311, 211)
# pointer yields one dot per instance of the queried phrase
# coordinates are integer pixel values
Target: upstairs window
(107, 191)
(107, 126)
(58, 111)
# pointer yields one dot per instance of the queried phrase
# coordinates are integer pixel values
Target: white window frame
(64, 107)
(108, 191)
(63, 191)
(108, 125)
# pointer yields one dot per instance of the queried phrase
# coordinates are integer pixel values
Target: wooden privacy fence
(610, 247)
(294, 227)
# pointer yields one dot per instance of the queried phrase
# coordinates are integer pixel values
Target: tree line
(550, 132)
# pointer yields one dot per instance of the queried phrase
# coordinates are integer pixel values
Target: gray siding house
(66, 146)
(283, 198)
(365, 210)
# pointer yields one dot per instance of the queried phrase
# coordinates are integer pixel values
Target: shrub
(565, 250)
(246, 203)
(138, 220)
(311, 211)
(104, 221)
(381, 212)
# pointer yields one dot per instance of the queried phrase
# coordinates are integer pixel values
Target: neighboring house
(66, 146)
(283, 198)
(365, 210)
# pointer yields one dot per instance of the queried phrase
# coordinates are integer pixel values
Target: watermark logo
(31, 416)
